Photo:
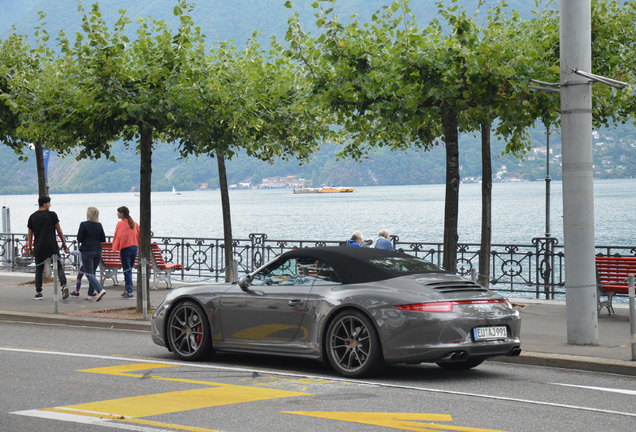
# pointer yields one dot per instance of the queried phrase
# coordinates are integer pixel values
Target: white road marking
(50, 415)
(606, 389)
(359, 382)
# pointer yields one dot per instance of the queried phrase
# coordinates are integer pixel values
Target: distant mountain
(614, 157)
(219, 19)
(614, 150)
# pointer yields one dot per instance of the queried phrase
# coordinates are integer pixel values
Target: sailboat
(174, 191)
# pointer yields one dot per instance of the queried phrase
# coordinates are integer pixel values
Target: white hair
(384, 233)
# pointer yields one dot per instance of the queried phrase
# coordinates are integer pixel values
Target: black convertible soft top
(352, 264)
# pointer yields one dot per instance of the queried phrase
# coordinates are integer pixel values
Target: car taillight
(444, 306)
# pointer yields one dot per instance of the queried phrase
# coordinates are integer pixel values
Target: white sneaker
(101, 294)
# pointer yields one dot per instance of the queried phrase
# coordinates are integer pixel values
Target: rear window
(406, 265)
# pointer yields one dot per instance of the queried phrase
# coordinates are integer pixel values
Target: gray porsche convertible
(356, 308)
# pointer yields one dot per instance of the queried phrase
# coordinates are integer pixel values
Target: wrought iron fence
(535, 269)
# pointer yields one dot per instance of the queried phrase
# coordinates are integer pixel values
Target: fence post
(144, 287)
(258, 250)
(55, 288)
(6, 229)
(544, 251)
(234, 270)
(632, 313)
(473, 274)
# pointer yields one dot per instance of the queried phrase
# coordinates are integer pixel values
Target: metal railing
(535, 269)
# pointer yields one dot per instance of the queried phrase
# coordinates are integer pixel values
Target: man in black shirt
(42, 226)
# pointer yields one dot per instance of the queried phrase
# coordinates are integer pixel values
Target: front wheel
(188, 332)
(352, 345)
(460, 365)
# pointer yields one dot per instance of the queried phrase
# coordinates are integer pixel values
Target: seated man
(384, 240)
(355, 240)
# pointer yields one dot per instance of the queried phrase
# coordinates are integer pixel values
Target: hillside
(614, 149)
(219, 19)
(614, 157)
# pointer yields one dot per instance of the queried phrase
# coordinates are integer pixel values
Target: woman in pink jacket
(126, 241)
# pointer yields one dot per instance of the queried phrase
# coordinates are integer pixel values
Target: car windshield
(406, 265)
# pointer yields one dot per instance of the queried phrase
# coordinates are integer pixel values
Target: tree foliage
(119, 88)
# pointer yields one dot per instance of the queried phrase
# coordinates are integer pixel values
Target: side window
(280, 273)
(297, 271)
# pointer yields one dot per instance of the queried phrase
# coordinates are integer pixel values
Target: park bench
(162, 271)
(611, 278)
(109, 264)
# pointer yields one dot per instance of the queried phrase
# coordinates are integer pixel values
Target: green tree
(244, 100)
(119, 88)
(27, 78)
(391, 83)
(500, 61)
(13, 51)
(613, 54)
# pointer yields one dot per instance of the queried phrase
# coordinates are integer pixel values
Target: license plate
(490, 333)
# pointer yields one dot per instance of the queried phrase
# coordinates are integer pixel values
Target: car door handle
(295, 302)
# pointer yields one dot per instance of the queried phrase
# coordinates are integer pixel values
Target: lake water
(414, 213)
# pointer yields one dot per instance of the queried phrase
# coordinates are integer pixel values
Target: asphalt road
(69, 378)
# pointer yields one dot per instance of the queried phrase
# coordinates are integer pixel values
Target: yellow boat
(324, 189)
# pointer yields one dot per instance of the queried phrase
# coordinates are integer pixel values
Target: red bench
(611, 278)
(110, 263)
(161, 269)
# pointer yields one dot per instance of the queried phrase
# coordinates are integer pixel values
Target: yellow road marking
(217, 394)
(124, 370)
(170, 402)
(130, 409)
(393, 420)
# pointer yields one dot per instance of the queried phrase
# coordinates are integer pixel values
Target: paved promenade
(543, 325)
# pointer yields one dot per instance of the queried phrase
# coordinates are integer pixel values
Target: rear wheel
(460, 365)
(353, 346)
(188, 332)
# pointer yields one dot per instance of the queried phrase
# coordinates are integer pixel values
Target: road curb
(120, 324)
(564, 361)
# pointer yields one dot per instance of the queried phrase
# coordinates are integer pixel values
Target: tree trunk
(227, 218)
(43, 190)
(486, 206)
(451, 205)
(145, 177)
(39, 163)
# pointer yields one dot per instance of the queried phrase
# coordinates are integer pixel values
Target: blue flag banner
(45, 155)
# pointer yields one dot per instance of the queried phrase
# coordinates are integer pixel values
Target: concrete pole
(578, 188)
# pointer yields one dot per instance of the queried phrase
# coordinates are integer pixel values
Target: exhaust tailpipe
(515, 352)
(458, 355)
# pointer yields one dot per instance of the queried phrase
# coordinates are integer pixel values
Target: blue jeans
(128, 256)
(90, 262)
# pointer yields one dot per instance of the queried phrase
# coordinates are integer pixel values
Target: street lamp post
(547, 180)
(578, 196)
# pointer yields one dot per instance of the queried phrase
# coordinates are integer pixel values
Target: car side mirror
(244, 282)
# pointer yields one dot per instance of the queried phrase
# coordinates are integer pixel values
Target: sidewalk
(543, 323)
